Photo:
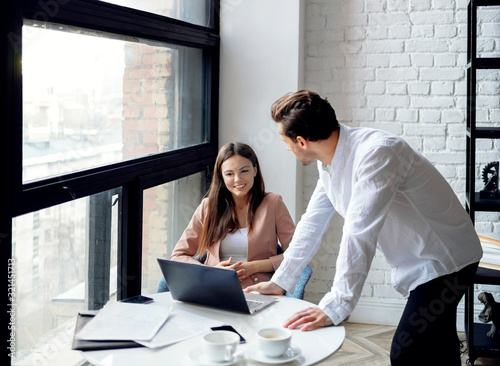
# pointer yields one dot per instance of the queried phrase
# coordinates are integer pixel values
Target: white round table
(314, 345)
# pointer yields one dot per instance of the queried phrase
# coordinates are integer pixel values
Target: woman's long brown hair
(220, 217)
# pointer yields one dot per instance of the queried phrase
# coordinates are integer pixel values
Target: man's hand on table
(307, 319)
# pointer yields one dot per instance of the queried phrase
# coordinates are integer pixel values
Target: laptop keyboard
(257, 301)
(252, 304)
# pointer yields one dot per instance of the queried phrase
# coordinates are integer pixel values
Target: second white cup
(273, 342)
(220, 345)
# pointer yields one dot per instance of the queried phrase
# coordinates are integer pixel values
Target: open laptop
(211, 286)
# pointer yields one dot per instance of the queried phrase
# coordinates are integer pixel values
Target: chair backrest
(299, 289)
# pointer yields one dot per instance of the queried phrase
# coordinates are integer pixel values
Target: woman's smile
(238, 174)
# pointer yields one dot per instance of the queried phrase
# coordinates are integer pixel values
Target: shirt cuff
(284, 280)
(337, 313)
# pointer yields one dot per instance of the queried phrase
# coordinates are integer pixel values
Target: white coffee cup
(220, 345)
(273, 342)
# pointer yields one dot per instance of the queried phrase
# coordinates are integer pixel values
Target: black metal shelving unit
(479, 345)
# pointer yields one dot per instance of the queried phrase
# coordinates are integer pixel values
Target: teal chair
(162, 285)
(298, 291)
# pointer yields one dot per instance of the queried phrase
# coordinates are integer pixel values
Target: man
(393, 199)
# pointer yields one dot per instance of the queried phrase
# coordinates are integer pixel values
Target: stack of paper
(120, 321)
(491, 250)
(179, 326)
(147, 324)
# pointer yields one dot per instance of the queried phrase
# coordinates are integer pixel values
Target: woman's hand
(246, 269)
(225, 263)
(238, 267)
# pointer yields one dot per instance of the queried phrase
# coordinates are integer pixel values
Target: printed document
(179, 326)
(120, 321)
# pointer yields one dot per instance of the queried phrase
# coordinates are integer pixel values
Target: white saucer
(199, 358)
(290, 354)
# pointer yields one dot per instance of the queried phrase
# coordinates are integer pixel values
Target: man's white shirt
(391, 198)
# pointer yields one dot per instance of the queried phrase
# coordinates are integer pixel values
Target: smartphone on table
(139, 299)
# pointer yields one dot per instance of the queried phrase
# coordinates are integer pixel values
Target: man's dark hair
(306, 114)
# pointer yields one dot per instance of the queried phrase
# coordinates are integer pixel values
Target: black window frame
(133, 176)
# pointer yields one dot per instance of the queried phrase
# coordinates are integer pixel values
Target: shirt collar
(339, 151)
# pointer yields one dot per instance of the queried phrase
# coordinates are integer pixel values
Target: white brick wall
(399, 66)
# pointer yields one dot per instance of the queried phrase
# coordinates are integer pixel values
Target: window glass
(58, 271)
(168, 208)
(91, 100)
(191, 11)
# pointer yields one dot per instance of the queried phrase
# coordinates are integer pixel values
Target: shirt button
(255, 280)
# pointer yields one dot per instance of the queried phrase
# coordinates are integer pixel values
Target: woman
(238, 225)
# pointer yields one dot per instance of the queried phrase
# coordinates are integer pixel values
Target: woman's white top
(235, 245)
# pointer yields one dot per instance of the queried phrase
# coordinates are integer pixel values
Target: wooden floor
(369, 345)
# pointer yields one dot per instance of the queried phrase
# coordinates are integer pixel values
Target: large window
(54, 277)
(109, 133)
(193, 11)
(91, 99)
